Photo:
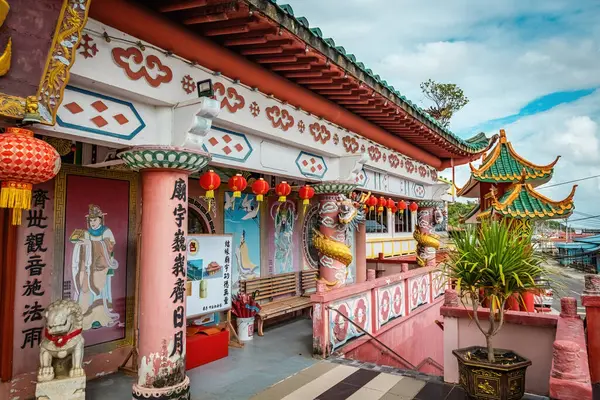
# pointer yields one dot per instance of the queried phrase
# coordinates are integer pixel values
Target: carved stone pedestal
(61, 389)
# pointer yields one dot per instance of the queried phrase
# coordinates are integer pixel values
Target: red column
(162, 319)
(361, 253)
(427, 240)
(334, 253)
(591, 302)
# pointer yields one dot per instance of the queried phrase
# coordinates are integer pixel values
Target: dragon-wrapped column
(162, 283)
(429, 216)
(335, 213)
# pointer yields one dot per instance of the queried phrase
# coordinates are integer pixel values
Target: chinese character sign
(35, 252)
(209, 272)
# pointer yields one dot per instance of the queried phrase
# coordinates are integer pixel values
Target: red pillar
(333, 271)
(591, 302)
(361, 253)
(162, 319)
(427, 240)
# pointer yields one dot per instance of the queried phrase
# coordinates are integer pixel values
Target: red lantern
(210, 182)
(25, 161)
(414, 206)
(306, 193)
(283, 190)
(237, 184)
(390, 204)
(260, 188)
(372, 202)
(381, 203)
(402, 206)
(394, 209)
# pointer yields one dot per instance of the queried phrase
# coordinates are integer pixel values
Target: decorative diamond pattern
(74, 108)
(99, 121)
(99, 106)
(311, 165)
(221, 143)
(121, 119)
(88, 111)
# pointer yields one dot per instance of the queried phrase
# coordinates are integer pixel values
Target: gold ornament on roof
(6, 56)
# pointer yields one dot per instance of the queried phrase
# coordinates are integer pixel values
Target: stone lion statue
(62, 337)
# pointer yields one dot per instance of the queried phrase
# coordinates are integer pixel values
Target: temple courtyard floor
(279, 365)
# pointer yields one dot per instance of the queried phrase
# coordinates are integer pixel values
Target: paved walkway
(335, 381)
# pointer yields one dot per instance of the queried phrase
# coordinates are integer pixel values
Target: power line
(583, 219)
(567, 182)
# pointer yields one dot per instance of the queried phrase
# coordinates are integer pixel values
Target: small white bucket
(245, 327)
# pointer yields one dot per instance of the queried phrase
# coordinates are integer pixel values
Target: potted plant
(492, 263)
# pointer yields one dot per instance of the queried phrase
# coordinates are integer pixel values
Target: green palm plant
(492, 258)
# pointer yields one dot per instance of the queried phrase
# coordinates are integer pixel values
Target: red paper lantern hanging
(25, 161)
(394, 209)
(372, 202)
(306, 193)
(390, 204)
(260, 187)
(381, 203)
(283, 190)
(414, 206)
(237, 184)
(210, 181)
(402, 206)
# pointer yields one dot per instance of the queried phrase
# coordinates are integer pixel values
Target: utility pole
(566, 230)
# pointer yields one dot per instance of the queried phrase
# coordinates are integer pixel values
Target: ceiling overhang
(269, 35)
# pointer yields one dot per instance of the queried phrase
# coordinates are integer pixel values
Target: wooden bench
(293, 284)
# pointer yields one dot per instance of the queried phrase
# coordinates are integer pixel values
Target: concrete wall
(529, 335)
(415, 339)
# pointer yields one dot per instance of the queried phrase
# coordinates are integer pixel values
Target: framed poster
(95, 244)
(209, 271)
(242, 220)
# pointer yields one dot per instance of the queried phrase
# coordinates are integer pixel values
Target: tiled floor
(335, 381)
(285, 351)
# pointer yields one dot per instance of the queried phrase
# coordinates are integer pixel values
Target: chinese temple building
(505, 186)
(159, 155)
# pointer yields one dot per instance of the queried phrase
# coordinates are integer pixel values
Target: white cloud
(503, 54)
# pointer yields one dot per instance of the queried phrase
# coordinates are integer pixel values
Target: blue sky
(530, 67)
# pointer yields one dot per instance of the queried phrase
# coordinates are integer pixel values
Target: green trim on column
(334, 187)
(158, 157)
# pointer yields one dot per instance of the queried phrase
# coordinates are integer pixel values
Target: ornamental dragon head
(351, 210)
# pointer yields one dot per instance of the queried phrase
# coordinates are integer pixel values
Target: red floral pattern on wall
(350, 144)
(409, 166)
(320, 132)
(422, 171)
(301, 126)
(434, 175)
(336, 139)
(394, 160)
(125, 57)
(340, 328)
(254, 109)
(374, 153)
(230, 98)
(280, 118)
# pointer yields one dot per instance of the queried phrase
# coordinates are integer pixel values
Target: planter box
(497, 381)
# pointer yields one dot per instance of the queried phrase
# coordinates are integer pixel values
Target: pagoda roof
(521, 201)
(504, 165)
(272, 36)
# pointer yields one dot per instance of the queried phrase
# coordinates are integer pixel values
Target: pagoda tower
(505, 186)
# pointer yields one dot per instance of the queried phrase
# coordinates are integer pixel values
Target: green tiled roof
(522, 201)
(505, 165)
(473, 145)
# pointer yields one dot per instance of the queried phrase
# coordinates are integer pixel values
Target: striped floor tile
(330, 381)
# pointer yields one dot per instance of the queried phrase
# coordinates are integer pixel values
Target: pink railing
(342, 315)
